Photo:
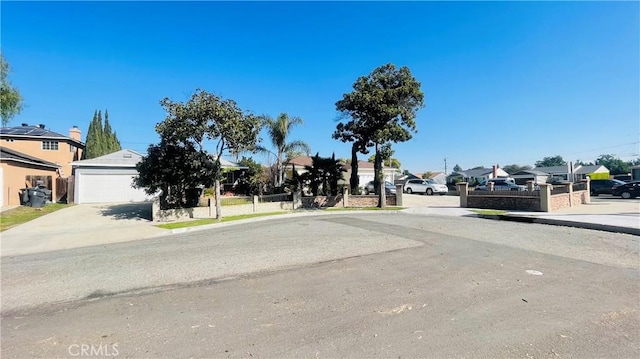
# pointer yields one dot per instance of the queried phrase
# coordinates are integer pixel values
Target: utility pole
(445, 165)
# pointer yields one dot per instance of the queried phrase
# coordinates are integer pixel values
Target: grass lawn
(23, 214)
(489, 212)
(201, 222)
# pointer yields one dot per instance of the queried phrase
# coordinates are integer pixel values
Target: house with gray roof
(476, 175)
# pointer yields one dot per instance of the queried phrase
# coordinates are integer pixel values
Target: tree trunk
(218, 201)
(382, 196)
(279, 171)
(354, 180)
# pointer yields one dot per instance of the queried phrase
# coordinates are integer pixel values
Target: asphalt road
(383, 285)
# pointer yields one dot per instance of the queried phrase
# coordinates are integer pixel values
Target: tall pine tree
(100, 140)
(111, 142)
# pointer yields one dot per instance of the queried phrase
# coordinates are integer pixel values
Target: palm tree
(279, 129)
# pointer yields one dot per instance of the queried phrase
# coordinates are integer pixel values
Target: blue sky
(504, 82)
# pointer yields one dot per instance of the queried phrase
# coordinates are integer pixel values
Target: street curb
(306, 213)
(557, 222)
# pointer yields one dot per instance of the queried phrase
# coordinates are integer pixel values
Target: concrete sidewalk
(80, 226)
(606, 214)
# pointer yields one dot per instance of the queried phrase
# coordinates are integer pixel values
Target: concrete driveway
(80, 226)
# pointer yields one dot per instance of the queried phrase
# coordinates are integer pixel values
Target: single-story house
(635, 173)
(366, 173)
(477, 175)
(108, 178)
(579, 172)
(593, 172)
(536, 176)
(439, 177)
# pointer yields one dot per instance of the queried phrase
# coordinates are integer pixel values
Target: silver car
(426, 186)
(389, 188)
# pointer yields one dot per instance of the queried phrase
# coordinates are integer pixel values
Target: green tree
(615, 165)
(110, 140)
(353, 131)
(208, 117)
(427, 175)
(174, 168)
(94, 145)
(251, 182)
(323, 175)
(279, 130)
(101, 139)
(10, 98)
(514, 168)
(382, 108)
(386, 152)
(551, 162)
(457, 168)
(582, 163)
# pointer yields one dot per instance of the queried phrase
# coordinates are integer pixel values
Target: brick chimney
(75, 133)
(495, 171)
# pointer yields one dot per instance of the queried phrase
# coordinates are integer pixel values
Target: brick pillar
(588, 194)
(491, 186)
(545, 197)
(345, 196)
(155, 209)
(463, 189)
(399, 195)
(295, 195)
(570, 191)
(530, 185)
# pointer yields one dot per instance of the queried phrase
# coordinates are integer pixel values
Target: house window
(72, 148)
(230, 178)
(50, 145)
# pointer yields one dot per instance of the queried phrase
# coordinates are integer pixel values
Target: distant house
(477, 175)
(366, 173)
(439, 177)
(579, 172)
(593, 172)
(556, 172)
(522, 177)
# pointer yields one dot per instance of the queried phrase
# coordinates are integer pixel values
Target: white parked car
(426, 186)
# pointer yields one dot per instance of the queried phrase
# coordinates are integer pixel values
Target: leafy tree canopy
(615, 165)
(285, 149)
(514, 168)
(386, 152)
(457, 168)
(382, 108)
(204, 117)
(10, 98)
(551, 162)
(101, 140)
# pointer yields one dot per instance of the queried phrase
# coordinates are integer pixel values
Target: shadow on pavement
(140, 210)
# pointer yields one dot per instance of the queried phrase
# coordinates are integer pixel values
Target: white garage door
(103, 188)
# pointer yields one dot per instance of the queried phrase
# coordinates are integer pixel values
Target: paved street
(343, 285)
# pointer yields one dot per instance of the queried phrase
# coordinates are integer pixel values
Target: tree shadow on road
(139, 211)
